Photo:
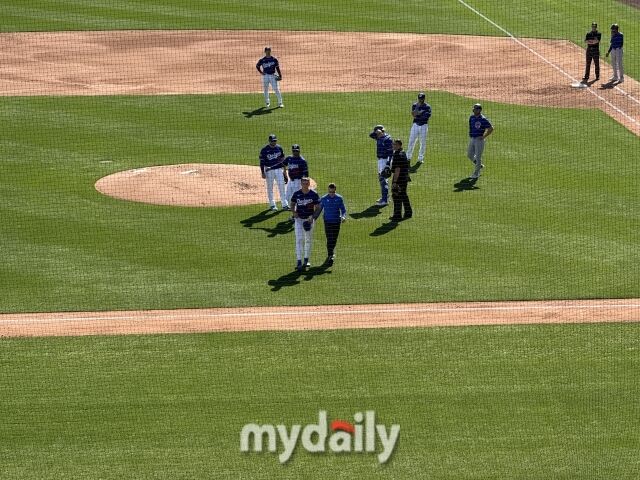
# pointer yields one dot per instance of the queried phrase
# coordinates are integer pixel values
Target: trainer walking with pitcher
(335, 212)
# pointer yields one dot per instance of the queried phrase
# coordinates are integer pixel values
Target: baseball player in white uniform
(421, 112)
(272, 169)
(269, 68)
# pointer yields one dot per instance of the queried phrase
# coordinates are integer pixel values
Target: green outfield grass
(555, 215)
(546, 18)
(479, 402)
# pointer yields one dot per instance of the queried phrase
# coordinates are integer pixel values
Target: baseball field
(498, 327)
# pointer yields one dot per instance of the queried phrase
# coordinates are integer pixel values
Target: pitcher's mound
(189, 185)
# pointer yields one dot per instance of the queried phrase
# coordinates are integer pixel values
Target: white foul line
(301, 312)
(568, 75)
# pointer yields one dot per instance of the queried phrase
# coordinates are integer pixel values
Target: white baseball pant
(304, 239)
(418, 132)
(616, 63)
(278, 177)
(292, 187)
(267, 80)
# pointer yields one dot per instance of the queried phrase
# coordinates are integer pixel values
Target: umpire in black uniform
(592, 39)
(400, 180)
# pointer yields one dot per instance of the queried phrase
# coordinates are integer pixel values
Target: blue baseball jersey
(297, 167)
(477, 125)
(271, 156)
(333, 208)
(424, 113)
(617, 40)
(304, 203)
(384, 145)
(268, 65)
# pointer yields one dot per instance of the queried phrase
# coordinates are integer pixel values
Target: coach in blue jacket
(335, 212)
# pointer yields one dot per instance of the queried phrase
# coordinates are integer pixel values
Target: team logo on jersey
(273, 156)
(478, 124)
(304, 201)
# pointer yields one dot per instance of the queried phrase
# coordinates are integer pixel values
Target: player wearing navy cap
(384, 151)
(272, 169)
(269, 68)
(335, 212)
(615, 49)
(479, 129)
(295, 168)
(421, 113)
(304, 204)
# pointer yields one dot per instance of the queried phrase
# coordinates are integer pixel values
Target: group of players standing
(291, 173)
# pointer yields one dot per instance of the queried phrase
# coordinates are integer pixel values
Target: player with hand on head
(384, 150)
(272, 168)
(421, 113)
(335, 212)
(304, 204)
(295, 169)
(615, 49)
(269, 68)
(479, 129)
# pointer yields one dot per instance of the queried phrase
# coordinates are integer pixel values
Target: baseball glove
(386, 172)
(306, 225)
(278, 77)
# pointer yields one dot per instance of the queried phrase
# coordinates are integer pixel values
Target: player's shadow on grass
(370, 212)
(281, 228)
(465, 184)
(292, 279)
(384, 229)
(259, 111)
(258, 218)
(415, 168)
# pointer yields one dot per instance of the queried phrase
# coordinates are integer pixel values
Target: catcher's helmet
(273, 138)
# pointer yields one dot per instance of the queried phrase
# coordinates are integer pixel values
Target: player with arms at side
(479, 129)
(335, 212)
(615, 49)
(304, 203)
(269, 67)
(295, 169)
(421, 113)
(272, 168)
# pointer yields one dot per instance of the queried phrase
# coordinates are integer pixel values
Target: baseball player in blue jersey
(304, 203)
(384, 151)
(421, 113)
(615, 49)
(295, 168)
(479, 129)
(272, 168)
(335, 212)
(269, 68)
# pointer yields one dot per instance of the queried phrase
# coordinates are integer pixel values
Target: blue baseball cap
(273, 138)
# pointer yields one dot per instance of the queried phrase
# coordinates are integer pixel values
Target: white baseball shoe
(273, 208)
(381, 203)
(281, 105)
